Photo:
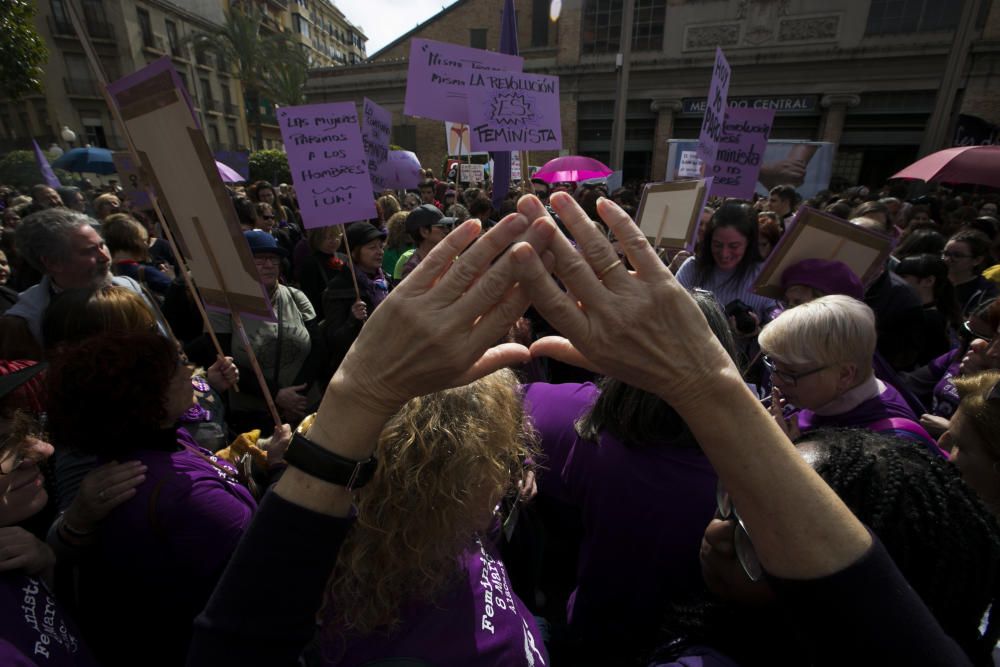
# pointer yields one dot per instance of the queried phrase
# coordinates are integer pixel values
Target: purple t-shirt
(945, 397)
(651, 502)
(34, 629)
(479, 621)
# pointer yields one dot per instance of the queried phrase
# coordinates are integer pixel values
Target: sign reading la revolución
(780, 103)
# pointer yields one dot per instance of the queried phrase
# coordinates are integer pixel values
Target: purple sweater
(479, 621)
(651, 502)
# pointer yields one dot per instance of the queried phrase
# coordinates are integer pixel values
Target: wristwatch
(323, 464)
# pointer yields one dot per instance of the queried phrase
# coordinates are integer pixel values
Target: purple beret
(824, 275)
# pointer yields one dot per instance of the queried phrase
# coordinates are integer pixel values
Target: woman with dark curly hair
(160, 553)
(412, 573)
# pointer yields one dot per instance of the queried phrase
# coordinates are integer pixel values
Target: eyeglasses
(946, 254)
(976, 334)
(742, 544)
(791, 379)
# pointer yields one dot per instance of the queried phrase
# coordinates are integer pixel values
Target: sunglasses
(741, 538)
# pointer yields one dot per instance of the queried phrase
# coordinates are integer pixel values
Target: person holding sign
(727, 263)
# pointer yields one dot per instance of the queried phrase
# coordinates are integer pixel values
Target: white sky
(384, 20)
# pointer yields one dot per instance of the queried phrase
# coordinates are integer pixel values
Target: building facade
(863, 74)
(127, 35)
(326, 34)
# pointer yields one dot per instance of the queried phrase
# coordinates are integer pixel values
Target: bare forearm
(799, 527)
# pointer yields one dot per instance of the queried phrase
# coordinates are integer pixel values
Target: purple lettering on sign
(512, 111)
(741, 152)
(711, 124)
(328, 163)
(376, 129)
(440, 75)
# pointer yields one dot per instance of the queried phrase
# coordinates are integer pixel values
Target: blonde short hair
(830, 330)
(978, 409)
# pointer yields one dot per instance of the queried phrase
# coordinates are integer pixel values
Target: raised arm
(643, 328)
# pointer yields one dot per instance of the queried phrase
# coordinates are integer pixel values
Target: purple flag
(715, 111)
(501, 160)
(376, 129)
(328, 163)
(741, 152)
(439, 75)
(515, 111)
(48, 175)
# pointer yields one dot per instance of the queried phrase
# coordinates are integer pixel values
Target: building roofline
(405, 36)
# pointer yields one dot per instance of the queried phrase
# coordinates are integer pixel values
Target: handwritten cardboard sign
(741, 152)
(690, 166)
(715, 111)
(328, 163)
(376, 129)
(472, 173)
(511, 111)
(817, 235)
(669, 213)
(440, 75)
(178, 165)
(130, 177)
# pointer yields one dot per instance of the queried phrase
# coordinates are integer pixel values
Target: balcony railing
(210, 105)
(99, 29)
(232, 109)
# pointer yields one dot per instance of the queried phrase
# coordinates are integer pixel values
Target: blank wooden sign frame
(669, 212)
(817, 235)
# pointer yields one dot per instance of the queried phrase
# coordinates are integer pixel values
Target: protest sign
(515, 166)
(806, 165)
(179, 166)
(439, 76)
(376, 129)
(715, 109)
(130, 177)
(817, 235)
(512, 111)
(669, 213)
(471, 173)
(403, 170)
(741, 152)
(48, 175)
(690, 166)
(457, 136)
(328, 163)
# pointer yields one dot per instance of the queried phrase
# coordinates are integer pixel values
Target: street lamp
(68, 135)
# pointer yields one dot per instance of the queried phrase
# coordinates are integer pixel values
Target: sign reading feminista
(715, 111)
(328, 163)
(439, 76)
(511, 111)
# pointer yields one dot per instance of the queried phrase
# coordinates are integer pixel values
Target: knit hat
(824, 275)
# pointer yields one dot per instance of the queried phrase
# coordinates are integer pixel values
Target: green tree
(269, 165)
(252, 51)
(19, 169)
(285, 79)
(22, 51)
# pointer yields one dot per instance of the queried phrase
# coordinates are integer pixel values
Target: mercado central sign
(787, 104)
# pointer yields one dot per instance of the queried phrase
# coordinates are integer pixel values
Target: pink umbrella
(977, 165)
(573, 168)
(228, 174)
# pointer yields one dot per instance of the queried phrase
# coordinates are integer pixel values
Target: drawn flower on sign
(511, 109)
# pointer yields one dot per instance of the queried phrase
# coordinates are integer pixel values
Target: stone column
(665, 110)
(836, 105)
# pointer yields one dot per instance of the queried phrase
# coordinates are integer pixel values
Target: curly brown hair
(130, 372)
(445, 461)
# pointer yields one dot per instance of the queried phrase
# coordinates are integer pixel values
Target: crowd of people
(514, 436)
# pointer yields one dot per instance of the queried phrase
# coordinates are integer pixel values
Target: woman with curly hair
(396, 243)
(419, 577)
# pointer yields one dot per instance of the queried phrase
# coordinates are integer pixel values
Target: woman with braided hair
(934, 527)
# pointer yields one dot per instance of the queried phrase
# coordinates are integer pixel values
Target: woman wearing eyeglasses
(967, 253)
(820, 358)
(284, 348)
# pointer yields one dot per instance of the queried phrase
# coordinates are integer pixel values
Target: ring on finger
(607, 269)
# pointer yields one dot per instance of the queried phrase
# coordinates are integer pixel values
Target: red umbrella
(573, 168)
(976, 165)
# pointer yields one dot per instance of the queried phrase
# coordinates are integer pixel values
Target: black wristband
(323, 464)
